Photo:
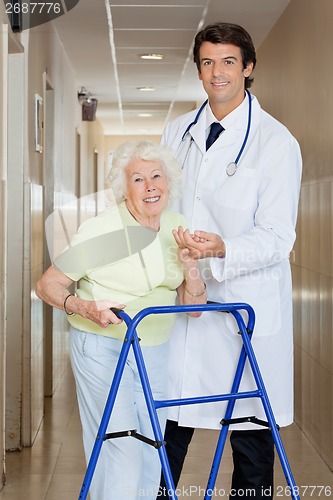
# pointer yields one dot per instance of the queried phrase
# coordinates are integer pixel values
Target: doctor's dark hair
(227, 33)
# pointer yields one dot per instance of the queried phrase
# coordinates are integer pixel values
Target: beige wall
(293, 82)
(3, 228)
(43, 54)
(39, 183)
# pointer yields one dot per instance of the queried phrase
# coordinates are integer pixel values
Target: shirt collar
(227, 120)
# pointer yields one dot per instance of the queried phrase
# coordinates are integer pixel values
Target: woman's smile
(152, 200)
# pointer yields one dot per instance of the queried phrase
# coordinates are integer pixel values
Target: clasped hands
(198, 245)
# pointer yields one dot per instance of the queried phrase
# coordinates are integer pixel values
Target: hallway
(50, 157)
(53, 468)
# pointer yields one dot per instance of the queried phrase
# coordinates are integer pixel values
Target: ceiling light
(146, 89)
(145, 115)
(152, 57)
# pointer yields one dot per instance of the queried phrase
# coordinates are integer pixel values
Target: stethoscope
(232, 167)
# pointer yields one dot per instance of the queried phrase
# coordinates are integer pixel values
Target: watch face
(24, 14)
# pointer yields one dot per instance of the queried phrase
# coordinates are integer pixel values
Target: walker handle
(116, 311)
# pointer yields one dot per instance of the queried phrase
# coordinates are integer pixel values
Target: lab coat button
(198, 198)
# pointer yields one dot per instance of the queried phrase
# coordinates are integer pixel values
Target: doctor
(240, 198)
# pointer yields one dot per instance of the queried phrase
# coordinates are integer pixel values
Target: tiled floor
(53, 468)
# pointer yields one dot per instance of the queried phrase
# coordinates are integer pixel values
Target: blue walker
(131, 340)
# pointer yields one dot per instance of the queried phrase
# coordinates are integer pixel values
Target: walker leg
(247, 351)
(105, 420)
(155, 423)
(224, 431)
(270, 418)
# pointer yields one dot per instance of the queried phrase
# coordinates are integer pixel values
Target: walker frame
(131, 340)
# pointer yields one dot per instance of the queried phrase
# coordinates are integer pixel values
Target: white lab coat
(255, 213)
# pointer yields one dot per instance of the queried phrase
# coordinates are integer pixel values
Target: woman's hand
(52, 288)
(97, 311)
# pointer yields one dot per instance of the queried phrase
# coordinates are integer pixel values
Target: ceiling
(105, 38)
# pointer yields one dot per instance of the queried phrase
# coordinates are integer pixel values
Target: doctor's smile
(220, 84)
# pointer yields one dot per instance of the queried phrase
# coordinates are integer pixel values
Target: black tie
(215, 130)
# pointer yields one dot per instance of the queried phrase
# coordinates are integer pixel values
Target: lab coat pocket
(238, 191)
(264, 296)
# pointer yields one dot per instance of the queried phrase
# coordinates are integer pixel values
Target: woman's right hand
(97, 311)
(53, 289)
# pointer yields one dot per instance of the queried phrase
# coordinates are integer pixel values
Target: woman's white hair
(143, 150)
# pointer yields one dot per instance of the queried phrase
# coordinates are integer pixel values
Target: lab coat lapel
(233, 137)
(225, 140)
(198, 132)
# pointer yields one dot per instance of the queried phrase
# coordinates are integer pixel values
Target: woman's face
(147, 189)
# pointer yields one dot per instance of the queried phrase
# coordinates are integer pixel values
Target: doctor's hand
(200, 244)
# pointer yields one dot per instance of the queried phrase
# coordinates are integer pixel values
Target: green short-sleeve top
(113, 257)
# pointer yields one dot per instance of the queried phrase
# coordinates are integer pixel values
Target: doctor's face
(223, 76)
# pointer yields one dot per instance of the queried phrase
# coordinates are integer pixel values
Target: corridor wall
(34, 354)
(293, 82)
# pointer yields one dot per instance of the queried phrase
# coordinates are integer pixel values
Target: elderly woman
(144, 268)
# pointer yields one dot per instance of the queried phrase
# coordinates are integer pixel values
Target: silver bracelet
(195, 294)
